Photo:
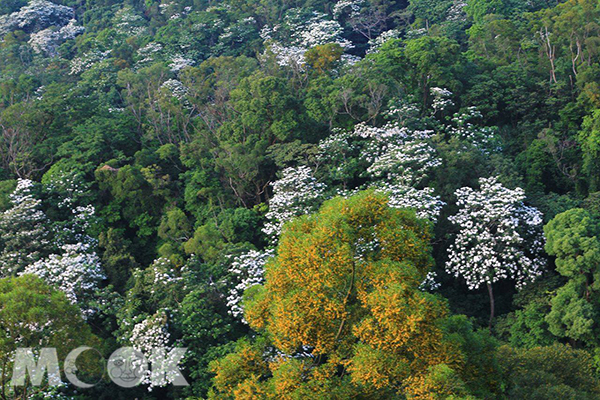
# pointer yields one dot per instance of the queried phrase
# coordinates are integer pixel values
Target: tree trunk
(491, 293)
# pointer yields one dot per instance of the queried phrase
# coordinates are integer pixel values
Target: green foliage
(175, 121)
(27, 302)
(573, 238)
(546, 372)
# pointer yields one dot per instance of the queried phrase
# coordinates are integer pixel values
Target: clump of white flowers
(151, 337)
(47, 40)
(88, 60)
(400, 161)
(441, 99)
(163, 272)
(425, 202)
(347, 6)
(499, 238)
(35, 16)
(406, 163)
(149, 53)
(457, 11)
(376, 43)
(77, 272)
(129, 23)
(297, 192)
(179, 62)
(429, 284)
(249, 269)
(69, 190)
(23, 233)
(150, 333)
(484, 138)
(74, 266)
(290, 41)
(175, 88)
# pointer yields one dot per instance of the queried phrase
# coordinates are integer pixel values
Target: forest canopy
(347, 199)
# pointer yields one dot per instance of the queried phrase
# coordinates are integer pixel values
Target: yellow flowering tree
(341, 313)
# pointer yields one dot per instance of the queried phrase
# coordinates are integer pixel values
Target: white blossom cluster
(150, 333)
(484, 138)
(441, 99)
(457, 11)
(416, 33)
(249, 269)
(351, 6)
(349, 59)
(88, 60)
(290, 42)
(151, 337)
(426, 204)
(129, 23)
(390, 133)
(175, 88)
(163, 273)
(83, 217)
(77, 272)
(68, 185)
(407, 163)
(363, 248)
(22, 230)
(179, 61)
(499, 237)
(429, 283)
(402, 112)
(337, 150)
(39, 93)
(47, 40)
(236, 33)
(165, 9)
(376, 43)
(321, 31)
(400, 160)
(288, 55)
(37, 15)
(69, 189)
(149, 52)
(295, 194)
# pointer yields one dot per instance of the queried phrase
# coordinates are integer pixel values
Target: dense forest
(361, 199)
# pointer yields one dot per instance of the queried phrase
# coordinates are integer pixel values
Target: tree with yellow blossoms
(341, 314)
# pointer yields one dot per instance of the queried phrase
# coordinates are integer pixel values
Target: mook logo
(126, 367)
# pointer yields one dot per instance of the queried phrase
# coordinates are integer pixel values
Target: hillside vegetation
(360, 199)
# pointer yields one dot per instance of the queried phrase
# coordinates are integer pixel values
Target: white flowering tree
(249, 270)
(92, 58)
(23, 230)
(338, 155)
(442, 99)
(77, 272)
(484, 138)
(400, 160)
(128, 22)
(362, 16)
(75, 218)
(376, 43)
(48, 40)
(297, 192)
(151, 337)
(179, 61)
(147, 317)
(73, 266)
(298, 33)
(499, 238)
(35, 16)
